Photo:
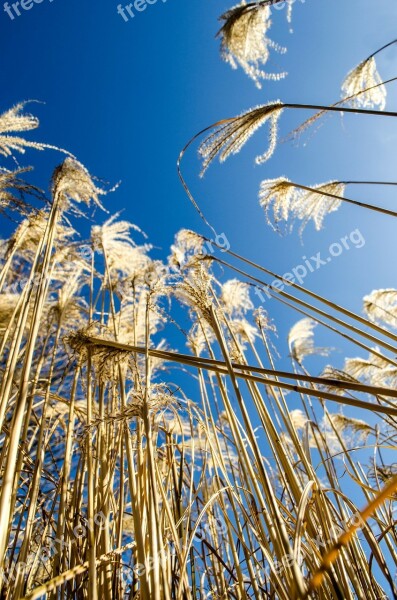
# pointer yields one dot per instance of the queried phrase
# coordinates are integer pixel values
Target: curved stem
(182, 179)
(380, 49)
(281, 105)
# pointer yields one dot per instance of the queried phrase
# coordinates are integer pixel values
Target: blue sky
(125, 97)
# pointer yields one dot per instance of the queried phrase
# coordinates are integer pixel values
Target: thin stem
(370, 350)
(379, 209)
(317, 107)
(368, 182)
(220, 366)
(315, 117)
(380, 49)
(359, 111)
(313, 295)
(359, 521)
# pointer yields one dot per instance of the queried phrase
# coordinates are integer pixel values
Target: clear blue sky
(125, 97)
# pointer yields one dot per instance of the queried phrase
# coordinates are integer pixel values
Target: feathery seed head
(13, 190)
(301, 340)
(200, 336)
(188, 246)
(289, 200)
(72, 182)
(343, 423)
(330, 372)
(298, 418)
(263, 320)
(381, 306)
(131, 318)
(113, 234)
(122, 254)
(13, 121)
(30, 231)
(382, 472)
(156, 276)
(235, 298)
(278, 194)
(243, 330)
(365, 77)
(314, 205)
(196, 292)
(105, 359)
(69, 304)
(160, 399)
(375, 370)
(244, 41)
(8, 303)
(231, 135)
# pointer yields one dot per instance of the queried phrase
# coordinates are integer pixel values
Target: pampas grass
(132, 469)
(126, 469)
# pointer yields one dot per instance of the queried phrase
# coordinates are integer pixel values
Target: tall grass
(131, 469)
